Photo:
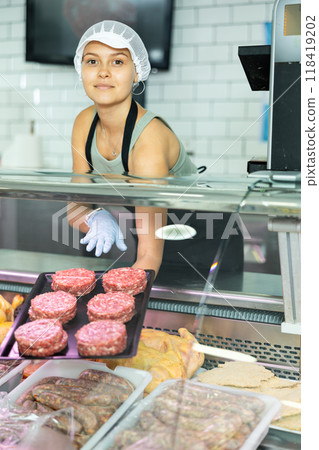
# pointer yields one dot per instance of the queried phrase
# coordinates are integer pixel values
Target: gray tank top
(183, 166)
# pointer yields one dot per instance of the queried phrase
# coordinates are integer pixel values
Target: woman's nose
(104, 71)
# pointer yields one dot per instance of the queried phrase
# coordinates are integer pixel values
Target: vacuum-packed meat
(107, 378)
(86, 418)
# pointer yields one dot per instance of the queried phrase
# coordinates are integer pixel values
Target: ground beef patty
(45, 351)
(126, 279)
(101, 338)
(75, 281)
(53, 305)
(42, 337)
(116, 306)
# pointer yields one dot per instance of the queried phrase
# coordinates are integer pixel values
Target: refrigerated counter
(255, 310)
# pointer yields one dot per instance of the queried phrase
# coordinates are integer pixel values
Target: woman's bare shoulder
(84, 118)
(156, 150)
(157, 135)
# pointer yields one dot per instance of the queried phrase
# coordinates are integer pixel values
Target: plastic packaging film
(186, 415)
(22, 429)
(97, 397)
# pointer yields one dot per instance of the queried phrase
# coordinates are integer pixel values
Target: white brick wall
(204, 96)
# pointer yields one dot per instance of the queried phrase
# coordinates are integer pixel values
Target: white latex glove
(103, 232)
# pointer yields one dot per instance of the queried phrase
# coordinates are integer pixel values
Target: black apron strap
(89, 141)
(201, 169)
(128, 130)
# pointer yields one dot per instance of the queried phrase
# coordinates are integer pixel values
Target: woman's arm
(150, 248)
(150, 159)
(78, 211)
(101, 229)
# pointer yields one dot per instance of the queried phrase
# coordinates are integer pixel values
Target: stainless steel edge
(193, 193)
(18, 277)
(221, 298)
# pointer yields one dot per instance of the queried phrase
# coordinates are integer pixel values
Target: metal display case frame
(263, 321)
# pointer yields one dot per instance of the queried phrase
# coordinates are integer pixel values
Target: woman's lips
(103, 87)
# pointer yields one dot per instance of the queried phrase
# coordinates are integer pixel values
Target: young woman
(116, 135)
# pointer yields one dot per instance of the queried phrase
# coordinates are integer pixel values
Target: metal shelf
(197, 193)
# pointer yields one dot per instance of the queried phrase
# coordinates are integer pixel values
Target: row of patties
(107, 312)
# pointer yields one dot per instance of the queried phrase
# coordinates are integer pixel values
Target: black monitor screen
(54, 27)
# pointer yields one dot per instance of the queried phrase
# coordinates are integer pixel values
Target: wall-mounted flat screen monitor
(54, 27)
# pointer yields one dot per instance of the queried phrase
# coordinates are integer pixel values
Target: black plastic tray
(9, 347)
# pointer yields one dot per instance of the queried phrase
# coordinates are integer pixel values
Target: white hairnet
(116, 35)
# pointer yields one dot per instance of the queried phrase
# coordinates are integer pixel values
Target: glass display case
(249, 287)
(252, 305)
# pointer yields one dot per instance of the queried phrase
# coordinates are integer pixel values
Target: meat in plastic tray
(53, 371)
(187, 415)
(9, 347)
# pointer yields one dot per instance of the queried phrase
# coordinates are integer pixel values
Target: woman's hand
(103, 233)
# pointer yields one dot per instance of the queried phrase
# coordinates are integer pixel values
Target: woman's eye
(117, 62)
(90, 61)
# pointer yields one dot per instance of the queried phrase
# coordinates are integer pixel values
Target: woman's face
(108, 73)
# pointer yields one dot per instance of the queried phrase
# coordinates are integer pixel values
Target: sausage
(195, 404)
(84, 383)
(196, 398)
(77, 394)
(101, 399)
(151, 423)
(103, 414)
(65, 424)
(189, 409)
(235, 441)
(164, 440)
(107, 378)
(222, 422)
(80, 439)
(247, 415)
(72, 393)
(27, 395)
(118, 394)
(76, 382)
(48, 380)
(253, 403)
(86, 418)
(44, 409)
(57, 388)
(129, 437)
(30, 405)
